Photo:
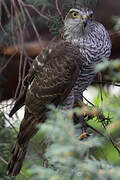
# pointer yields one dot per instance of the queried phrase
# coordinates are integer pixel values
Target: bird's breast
(94, 47)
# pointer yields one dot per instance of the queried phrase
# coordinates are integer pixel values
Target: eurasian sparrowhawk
(59, 75)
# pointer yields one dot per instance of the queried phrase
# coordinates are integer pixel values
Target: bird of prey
(59, 75)
(94, 45)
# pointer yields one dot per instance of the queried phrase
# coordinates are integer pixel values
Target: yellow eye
(74, 14)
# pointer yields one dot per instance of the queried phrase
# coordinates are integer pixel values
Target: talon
(83, 136)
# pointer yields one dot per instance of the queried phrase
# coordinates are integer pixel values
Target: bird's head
(77, 19)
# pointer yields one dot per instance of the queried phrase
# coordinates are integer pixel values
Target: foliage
(69, 158)
(6, 143)
(61, 155)
(44, 4)
(28, 17)
(112, 67)
(55, 24)
(87, 3)
(117, 22)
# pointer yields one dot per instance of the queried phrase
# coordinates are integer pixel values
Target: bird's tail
(16, 160)
(27, 130)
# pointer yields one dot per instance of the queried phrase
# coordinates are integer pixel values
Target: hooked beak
(84, 20)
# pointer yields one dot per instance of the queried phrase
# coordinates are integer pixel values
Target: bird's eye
(74, 14)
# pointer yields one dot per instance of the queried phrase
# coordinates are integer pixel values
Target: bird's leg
(83, 125)
(80, 120)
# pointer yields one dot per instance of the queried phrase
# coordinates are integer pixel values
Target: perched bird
(93, 40)
(50, 80)
(59, 75)
(94, 44)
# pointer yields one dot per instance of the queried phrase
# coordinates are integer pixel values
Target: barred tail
(16, 160)
(27, 130)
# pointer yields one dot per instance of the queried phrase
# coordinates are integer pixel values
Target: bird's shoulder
(58, 54)
(55, 67)
(56, 64)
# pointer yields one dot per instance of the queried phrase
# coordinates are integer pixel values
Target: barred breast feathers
(94, 43)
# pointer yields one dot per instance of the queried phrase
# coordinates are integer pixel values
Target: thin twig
(107, 137)
(6, 105)
(34, 27)
(20, 74)
(24, 70)
(21, 30)
(6, 64)
(101, 94)
(2, 27)
(88, 101)
(6, 8)
(11, 125)
(107, 82)
(12, 24)
(58, 9)
(21, 50)
(22, 10)
(1, 19)
(5, 162)
(35, 9)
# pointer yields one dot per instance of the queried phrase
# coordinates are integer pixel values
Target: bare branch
(35, 9)
(100, 78)
(116, 146)
(11, 125)
(88, 101)
(7, 63)
(3, 160)
(58, 9)
(20, 75)
(6, 8)
(107, 82)
(30, 18)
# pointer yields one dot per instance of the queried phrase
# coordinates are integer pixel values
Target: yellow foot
(82, 136)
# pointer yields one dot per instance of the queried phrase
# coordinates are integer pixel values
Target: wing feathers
(50, 80)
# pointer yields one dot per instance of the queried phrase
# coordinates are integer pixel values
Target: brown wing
(57, 69)
(53, 66)
(21, 100)
(51, 78)
(55, 73)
